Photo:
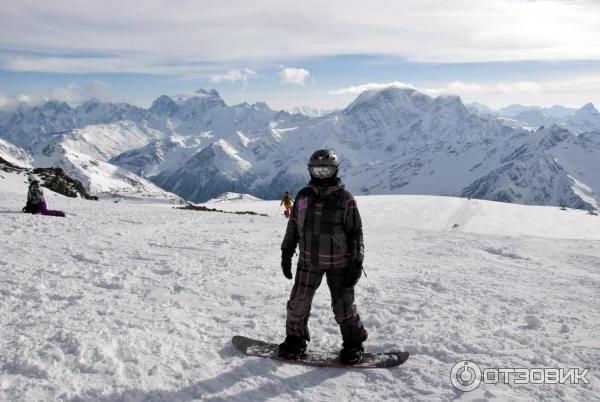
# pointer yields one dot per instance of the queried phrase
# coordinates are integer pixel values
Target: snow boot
(352, 349)
(293, 348)
(351, 353)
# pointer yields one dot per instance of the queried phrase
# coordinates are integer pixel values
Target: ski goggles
(322, 172)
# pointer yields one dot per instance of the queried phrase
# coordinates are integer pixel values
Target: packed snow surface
(131, 302)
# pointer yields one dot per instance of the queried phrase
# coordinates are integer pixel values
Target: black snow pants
(307, 281)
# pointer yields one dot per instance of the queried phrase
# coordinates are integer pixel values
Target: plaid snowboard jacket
(326, 224)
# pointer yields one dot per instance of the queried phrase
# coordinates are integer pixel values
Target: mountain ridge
(391, 141)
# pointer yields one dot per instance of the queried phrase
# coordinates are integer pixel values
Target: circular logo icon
(465, 376)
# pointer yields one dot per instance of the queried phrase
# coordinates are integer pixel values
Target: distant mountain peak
(391, 96)
(589, 107)
(164, 105)
(261, 106)
(56, 106)
(162, 99)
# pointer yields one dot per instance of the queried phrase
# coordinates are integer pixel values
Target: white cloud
(233, 76)
(358, 89)
(73, 94)
(8, 102)
(290, 75)
(168, 37)
(500, 88)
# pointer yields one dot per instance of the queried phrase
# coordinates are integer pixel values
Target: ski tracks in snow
(466, 211)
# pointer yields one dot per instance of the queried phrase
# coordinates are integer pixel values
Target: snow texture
(136, 302)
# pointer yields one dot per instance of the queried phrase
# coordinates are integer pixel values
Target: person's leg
(298, 307)
(298, 311)
(344, 309)
(39, 208)
(51, 212)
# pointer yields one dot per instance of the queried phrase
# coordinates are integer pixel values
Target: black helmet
(323, 164)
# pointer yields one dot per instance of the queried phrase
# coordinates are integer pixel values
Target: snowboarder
(287, 203)
(35, 199)
(327, 226)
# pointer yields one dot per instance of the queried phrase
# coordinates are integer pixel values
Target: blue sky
(306, 53)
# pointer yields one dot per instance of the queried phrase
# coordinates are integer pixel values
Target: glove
(353, 274)
(286, 264)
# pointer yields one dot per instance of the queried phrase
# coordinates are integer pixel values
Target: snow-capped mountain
(81, 139)
(397, 141)
(151, 159)
(585, 119)
(15, 155)
(33, 127)
(391, 141)
(309, 111)
(512, 110)
(535, 118)
(101, 178)
(549, 167)
(559, 112)
(482, 109)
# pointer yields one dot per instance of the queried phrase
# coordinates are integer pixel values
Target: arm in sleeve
(288, 246)
(354, 232)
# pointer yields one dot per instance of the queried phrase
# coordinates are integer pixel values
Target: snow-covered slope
(309, 111)
(164, 154)
(482, 109)
(535, 118)
(104, 141)
(139, 302)
(14, 154)
(100, 178)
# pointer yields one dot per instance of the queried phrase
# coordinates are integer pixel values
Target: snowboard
(254, 347)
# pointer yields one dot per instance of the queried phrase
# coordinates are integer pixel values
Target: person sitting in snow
(35, 199)
(287, 202)
(326, 224)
